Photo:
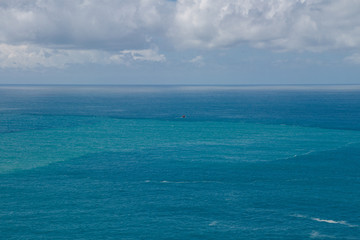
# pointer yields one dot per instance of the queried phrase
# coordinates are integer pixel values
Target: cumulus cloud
(104, 24)
(58, 33)
(198, 61)
(354, 58)
(312, 25)
(30, 56)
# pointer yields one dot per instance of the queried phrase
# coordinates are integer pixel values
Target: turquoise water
(121, 163)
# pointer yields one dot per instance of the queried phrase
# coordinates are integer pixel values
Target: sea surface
(120, 162)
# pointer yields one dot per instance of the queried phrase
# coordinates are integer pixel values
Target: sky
(217, 42)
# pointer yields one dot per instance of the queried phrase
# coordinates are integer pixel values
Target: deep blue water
(119, 162)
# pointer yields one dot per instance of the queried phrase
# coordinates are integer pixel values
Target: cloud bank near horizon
(49, 33)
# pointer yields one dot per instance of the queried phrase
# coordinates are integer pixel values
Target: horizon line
(170, 85)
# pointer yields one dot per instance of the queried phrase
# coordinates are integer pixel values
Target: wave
(180, 182)
(9, 109)
(213, 223)
(325, 220)
(316, 234)
(334, 222)
(344, 146)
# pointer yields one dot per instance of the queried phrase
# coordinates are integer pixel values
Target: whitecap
(315, 234)
(298, 216)
(182, 182)
(325, 220)
(213, 223)
(334, 222)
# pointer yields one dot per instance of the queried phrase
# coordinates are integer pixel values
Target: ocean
(179, 162)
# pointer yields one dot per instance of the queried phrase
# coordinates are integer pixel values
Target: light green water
(238, 141)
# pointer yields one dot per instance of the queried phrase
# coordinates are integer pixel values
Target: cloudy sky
(180, 42)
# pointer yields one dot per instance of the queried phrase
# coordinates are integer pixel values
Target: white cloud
(354, 58)
(30, 56)
(104, 24)
(143, 55)
(198, 61)
(300, 25)
(54, 33)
